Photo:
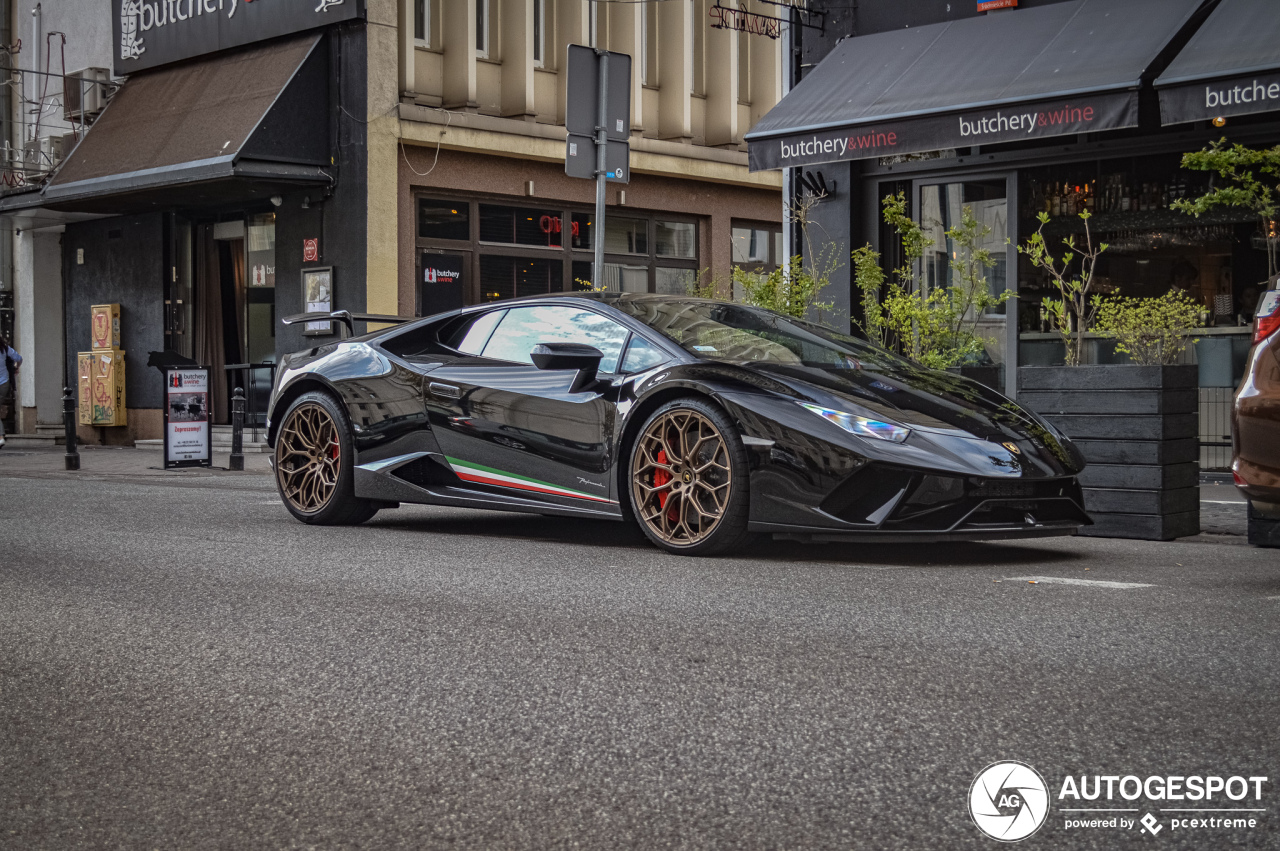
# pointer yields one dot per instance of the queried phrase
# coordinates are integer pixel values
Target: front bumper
(886, 502)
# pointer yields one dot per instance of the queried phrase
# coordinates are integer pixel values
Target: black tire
(318, 488)
(702, 521)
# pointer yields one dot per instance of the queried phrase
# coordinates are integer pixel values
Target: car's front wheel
(689, 484)
(314, 464)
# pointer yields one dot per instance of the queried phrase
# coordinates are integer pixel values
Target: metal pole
(602, 145)
(236, 462)
(72, 458)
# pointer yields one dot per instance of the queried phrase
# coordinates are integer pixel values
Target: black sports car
(702, 421)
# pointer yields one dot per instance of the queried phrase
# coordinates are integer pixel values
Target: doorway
(940, 205)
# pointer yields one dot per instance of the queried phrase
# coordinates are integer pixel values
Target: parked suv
(1255, 424)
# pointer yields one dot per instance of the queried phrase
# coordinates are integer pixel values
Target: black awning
(1231, 66)
(1045, 71)
(258, 114)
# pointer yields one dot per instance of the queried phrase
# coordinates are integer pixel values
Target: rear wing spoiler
(347, 318)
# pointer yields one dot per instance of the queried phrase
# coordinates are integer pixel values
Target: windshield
(734, 332)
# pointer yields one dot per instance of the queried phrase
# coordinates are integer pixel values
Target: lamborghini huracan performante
(701, 421)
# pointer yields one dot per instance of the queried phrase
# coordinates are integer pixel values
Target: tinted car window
(731, 332)
(641, 355)
(471, 336)
(525, 327)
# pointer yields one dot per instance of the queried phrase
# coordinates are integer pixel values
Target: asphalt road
(182, 665)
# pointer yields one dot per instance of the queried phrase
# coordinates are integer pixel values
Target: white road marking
(1273, 598)
(1224, 501)
(1063, 580)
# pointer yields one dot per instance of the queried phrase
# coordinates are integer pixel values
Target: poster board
(187, 439)
(317, 297)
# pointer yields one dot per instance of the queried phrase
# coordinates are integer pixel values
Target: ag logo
(1008, 801)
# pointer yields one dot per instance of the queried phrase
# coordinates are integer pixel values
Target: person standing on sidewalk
(12, 361)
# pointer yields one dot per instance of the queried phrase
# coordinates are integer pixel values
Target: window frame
(540, 33)
(566, 252)
(483, 27)
(422, 21)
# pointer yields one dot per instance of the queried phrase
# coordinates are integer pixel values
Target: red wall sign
(311, 251)
(988, 5)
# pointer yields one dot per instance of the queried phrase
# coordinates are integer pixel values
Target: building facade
(385, 156)
(1088, 105)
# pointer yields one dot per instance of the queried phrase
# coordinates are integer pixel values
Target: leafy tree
(1252, 179)
(1073, 275)
(938, 328)
(1149, 330)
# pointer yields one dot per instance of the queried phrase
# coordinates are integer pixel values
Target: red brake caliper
(661, 477)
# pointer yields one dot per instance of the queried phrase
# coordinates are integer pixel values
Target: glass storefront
(488, 251)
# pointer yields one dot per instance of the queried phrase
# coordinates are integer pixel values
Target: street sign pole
(602, 145)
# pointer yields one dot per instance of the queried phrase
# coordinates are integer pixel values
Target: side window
(470, 337)
(641, 355)
(525, 327)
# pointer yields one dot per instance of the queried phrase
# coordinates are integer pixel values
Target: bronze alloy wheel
(308, 458)
(681, 477)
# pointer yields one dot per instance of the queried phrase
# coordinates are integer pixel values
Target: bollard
(72, 458)
(236, 461)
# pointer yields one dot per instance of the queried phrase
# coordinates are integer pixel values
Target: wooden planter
(1138, 429)
(986, 375)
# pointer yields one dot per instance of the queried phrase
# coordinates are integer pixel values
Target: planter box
(1138, 428)
(988, 376)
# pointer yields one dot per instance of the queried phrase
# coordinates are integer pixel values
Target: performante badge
(1012, 447)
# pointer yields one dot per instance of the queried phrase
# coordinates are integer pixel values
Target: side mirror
(585, 359)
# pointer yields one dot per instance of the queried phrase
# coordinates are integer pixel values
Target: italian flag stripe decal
(483, 475)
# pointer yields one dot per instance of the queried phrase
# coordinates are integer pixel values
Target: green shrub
(1149, 330)
(938, 328)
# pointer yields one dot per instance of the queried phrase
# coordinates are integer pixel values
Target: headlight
(861, 426)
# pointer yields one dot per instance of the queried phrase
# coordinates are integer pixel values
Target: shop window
(522, 226)
(626, 278)
(676, 239)
(626, 236)
(444, 219)
(260, 250)
(673, 281)
(514, 277)
(581, 235)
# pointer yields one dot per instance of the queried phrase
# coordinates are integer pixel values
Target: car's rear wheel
(314, 464)
(689, 484)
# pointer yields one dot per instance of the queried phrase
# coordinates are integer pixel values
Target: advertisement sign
(985, 126)
(1205, 101)
(317, 295)
(443, 282)
(186, 418)
(149, 33)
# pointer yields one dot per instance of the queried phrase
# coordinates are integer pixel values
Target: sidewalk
(122, 462)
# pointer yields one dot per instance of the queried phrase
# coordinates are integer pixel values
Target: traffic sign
(580, 159)
(582, 98)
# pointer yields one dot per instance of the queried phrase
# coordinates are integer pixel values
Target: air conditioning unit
(42, 154)
(84, 93)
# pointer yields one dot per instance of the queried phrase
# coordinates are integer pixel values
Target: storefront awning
(1021, 74)
(1231, 66)
(254, 116)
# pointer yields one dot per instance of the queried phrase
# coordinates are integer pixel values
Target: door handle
(444, 390)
